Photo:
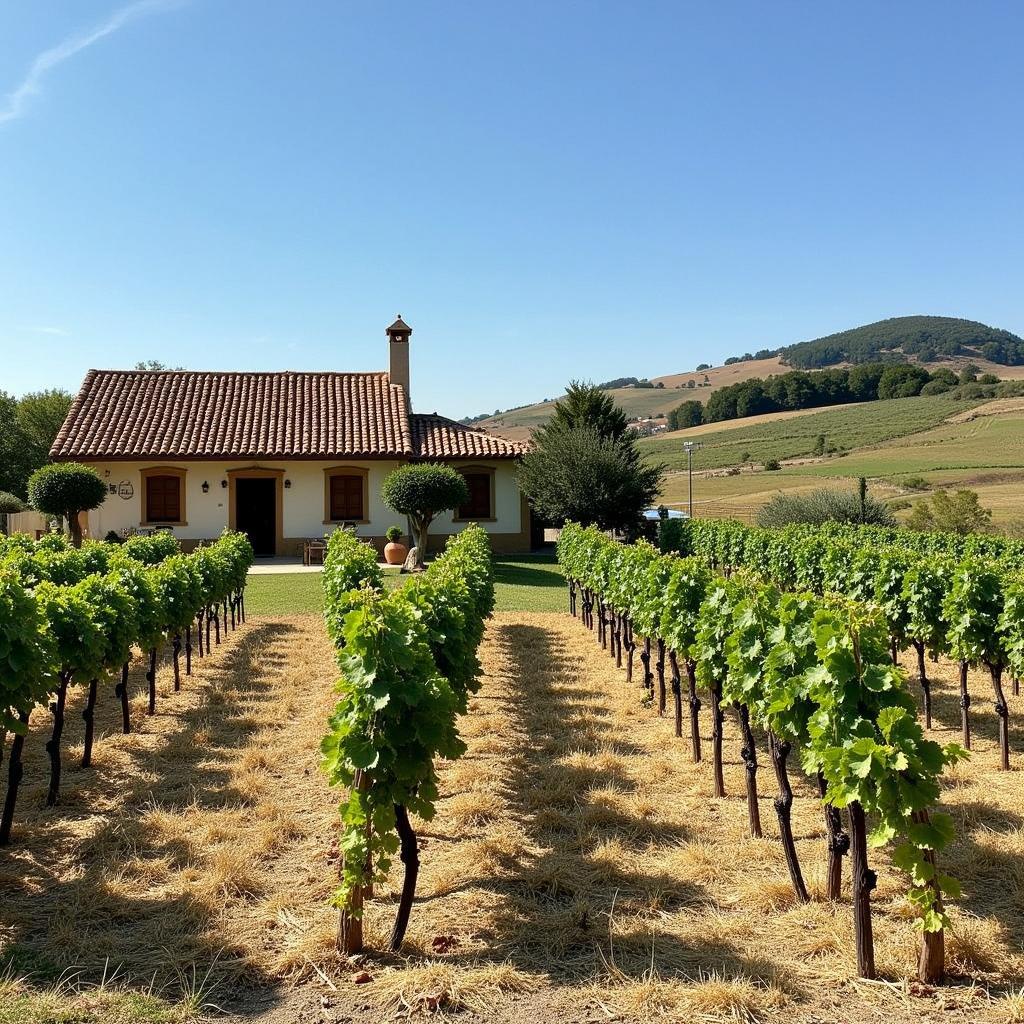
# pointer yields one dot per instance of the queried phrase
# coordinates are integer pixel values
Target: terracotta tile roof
(437, 437)
(134, 414)
(181, 414)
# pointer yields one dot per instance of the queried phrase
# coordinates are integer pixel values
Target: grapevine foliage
(408, 665)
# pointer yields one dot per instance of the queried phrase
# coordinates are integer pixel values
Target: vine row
(814, 675)
(75, 614)
(408, 660)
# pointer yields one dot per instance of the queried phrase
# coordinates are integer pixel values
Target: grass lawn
(531, 583)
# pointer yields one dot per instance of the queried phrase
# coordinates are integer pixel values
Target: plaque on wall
(125, 489)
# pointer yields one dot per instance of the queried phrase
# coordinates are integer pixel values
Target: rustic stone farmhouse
(286, 457)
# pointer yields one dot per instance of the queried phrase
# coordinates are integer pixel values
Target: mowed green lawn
(528, 583)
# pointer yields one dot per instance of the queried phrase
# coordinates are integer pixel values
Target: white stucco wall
(303, 501)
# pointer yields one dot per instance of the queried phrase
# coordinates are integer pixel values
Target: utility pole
(690, 447)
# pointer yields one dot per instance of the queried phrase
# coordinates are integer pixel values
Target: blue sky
(544, 190)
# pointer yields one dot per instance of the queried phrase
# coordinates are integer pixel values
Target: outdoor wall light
(223, 483)
(206, 487)
(287, 484)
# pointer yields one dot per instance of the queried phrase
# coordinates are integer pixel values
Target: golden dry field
(578, 869)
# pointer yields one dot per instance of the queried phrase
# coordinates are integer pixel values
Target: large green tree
(586, 405)
(28, 426)
(41, 414)
(576, 473)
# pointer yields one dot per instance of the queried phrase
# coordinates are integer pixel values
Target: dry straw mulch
(578, 869)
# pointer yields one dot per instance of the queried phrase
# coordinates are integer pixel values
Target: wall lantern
(206, 487)
(287, 484)
(223, 483)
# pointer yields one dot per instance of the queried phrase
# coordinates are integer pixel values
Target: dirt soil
(578, 869)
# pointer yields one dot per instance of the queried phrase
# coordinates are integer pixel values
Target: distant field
(984, 451)
(846, 428)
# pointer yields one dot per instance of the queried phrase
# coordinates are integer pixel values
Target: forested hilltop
(927, 338)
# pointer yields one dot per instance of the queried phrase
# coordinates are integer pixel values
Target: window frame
(488, 471)
(360, 472)
(163, 471)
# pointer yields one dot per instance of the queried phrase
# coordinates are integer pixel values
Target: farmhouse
(285, 457)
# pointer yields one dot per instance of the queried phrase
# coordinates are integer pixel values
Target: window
(347, 498)
(163, 499)
(479, 504)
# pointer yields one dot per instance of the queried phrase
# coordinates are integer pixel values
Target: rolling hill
(922, 336)
(926, 338)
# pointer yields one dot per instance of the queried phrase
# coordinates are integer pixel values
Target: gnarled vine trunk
(864, 880)
(926, 686)
(779, 750)
(410, 858)
(350, 916)
(931, 966)
(175, 655)
(838, 845)
(660, 667)
(151, 679)
(694, 701)
(748, 751)
(677, 691)
(188, 650)
(965, 706)
(121, 692)
(15, 772)
(645, 660)
(718, 718)
(630, 649)
(88, 715)
(53, 744)
(1003, 712)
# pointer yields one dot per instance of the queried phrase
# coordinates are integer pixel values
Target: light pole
(690, 447)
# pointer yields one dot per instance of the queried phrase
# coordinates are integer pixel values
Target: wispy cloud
(14, 103)
(49, 330)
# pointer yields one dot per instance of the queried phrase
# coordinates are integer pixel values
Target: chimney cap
(398, 327)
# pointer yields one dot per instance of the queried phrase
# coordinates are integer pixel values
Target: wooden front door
(256, 512)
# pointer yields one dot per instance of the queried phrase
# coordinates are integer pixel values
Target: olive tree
(66, 489)
(421, 491)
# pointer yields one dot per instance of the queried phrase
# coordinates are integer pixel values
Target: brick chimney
(398, 353)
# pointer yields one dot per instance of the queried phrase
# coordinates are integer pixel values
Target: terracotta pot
(394, 554)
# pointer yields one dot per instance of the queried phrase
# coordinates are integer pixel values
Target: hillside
(925, 338)
(518, 423)
(926, 441)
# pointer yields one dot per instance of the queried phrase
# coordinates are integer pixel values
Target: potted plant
(394, 551)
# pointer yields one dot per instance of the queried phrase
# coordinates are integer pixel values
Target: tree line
(814, 389)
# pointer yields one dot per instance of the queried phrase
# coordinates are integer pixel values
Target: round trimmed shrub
(66, 489)
(421, 491)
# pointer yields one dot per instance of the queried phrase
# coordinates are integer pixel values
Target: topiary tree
(421, 491)
(66, 489)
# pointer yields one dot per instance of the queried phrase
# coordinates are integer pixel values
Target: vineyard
(798, 632)
(76, 614)
(777, 818)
